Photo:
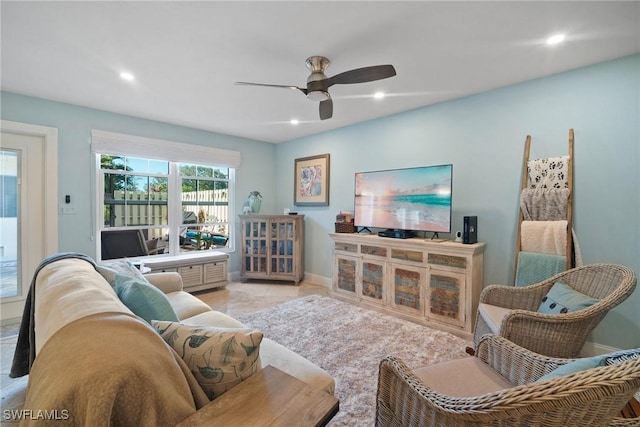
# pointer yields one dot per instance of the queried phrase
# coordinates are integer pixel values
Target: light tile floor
(235, 299)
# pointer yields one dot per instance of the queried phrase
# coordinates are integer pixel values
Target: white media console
(437, 283)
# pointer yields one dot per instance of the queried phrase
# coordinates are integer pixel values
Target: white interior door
(28, 208)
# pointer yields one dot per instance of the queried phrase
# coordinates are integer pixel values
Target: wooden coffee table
(269, 398)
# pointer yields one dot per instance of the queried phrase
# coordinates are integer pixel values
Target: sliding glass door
(28, 208)
(9, 227)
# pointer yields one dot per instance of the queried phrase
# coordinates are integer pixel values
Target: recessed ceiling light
(294, 121)
(558, 38)
(127, 76)
(379, 95)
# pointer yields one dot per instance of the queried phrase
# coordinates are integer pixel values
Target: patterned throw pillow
(123, 267)
(219, 358)
(622, 356)
(562, 298)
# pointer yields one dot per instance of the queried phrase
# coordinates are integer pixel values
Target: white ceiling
(186, 56)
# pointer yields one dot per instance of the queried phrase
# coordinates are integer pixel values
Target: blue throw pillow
(578, 365)
(562, 298)
(144, 299)
(135, 291)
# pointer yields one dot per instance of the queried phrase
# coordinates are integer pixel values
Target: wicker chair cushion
(464, 377)
(493, 315)
(562, 298)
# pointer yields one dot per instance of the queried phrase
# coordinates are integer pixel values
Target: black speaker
(470, 229)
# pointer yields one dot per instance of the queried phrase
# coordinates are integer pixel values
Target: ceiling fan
(318, 83)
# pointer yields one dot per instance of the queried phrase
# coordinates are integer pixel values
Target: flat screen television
(410, 199)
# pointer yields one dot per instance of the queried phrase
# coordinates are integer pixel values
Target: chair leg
(470, 351)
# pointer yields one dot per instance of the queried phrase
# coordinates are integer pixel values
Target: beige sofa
(95, 360)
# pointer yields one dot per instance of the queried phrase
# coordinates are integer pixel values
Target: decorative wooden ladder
(525, 183)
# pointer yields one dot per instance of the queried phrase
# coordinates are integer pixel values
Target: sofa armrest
(166, 282)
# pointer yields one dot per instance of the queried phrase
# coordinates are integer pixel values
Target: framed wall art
(311, 181)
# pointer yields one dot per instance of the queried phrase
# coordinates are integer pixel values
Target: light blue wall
(74, 126)
(483, 136)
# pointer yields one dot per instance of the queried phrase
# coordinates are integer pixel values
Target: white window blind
(111, 143)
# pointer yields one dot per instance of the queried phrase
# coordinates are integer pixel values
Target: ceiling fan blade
(303, 90)
(326, 109)
(362, 75)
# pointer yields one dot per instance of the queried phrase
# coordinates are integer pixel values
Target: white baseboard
(234, 276)
(594, 349)
(318, 280)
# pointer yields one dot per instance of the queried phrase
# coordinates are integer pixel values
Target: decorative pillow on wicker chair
(584, 363)
(577, 365)
(621, 356)
(219, 358)
(562, 298)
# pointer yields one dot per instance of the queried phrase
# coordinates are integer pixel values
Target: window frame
(107, 143)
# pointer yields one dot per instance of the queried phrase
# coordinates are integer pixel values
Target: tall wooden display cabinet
(272, 247)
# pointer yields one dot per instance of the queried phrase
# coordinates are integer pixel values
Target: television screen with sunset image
(417, 199)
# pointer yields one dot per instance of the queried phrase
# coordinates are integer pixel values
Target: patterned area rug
(349, 342)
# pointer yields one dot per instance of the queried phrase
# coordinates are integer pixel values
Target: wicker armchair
(555, 335)
(587, 398)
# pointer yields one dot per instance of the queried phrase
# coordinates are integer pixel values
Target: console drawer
(373, 250)
(346, 247)
(448, 260)
(408, 255)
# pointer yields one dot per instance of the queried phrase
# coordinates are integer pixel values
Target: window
(205, 199)
(154, 206)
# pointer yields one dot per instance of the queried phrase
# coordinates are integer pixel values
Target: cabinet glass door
(345, 271)
(446, 297)
(282, 235)
(255, 246)
(408, 285)
(373, 277)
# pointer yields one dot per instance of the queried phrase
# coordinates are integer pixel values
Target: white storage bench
(205, 270)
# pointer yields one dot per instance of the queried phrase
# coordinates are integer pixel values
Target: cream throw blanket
(548, 237)
(131, 380)
(545, 237)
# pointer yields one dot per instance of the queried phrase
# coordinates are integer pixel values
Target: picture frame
(311, 181)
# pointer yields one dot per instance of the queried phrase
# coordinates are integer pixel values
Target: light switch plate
(67, 210)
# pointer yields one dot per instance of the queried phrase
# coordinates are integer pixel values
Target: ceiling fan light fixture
(318, 84)
(318, 95)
